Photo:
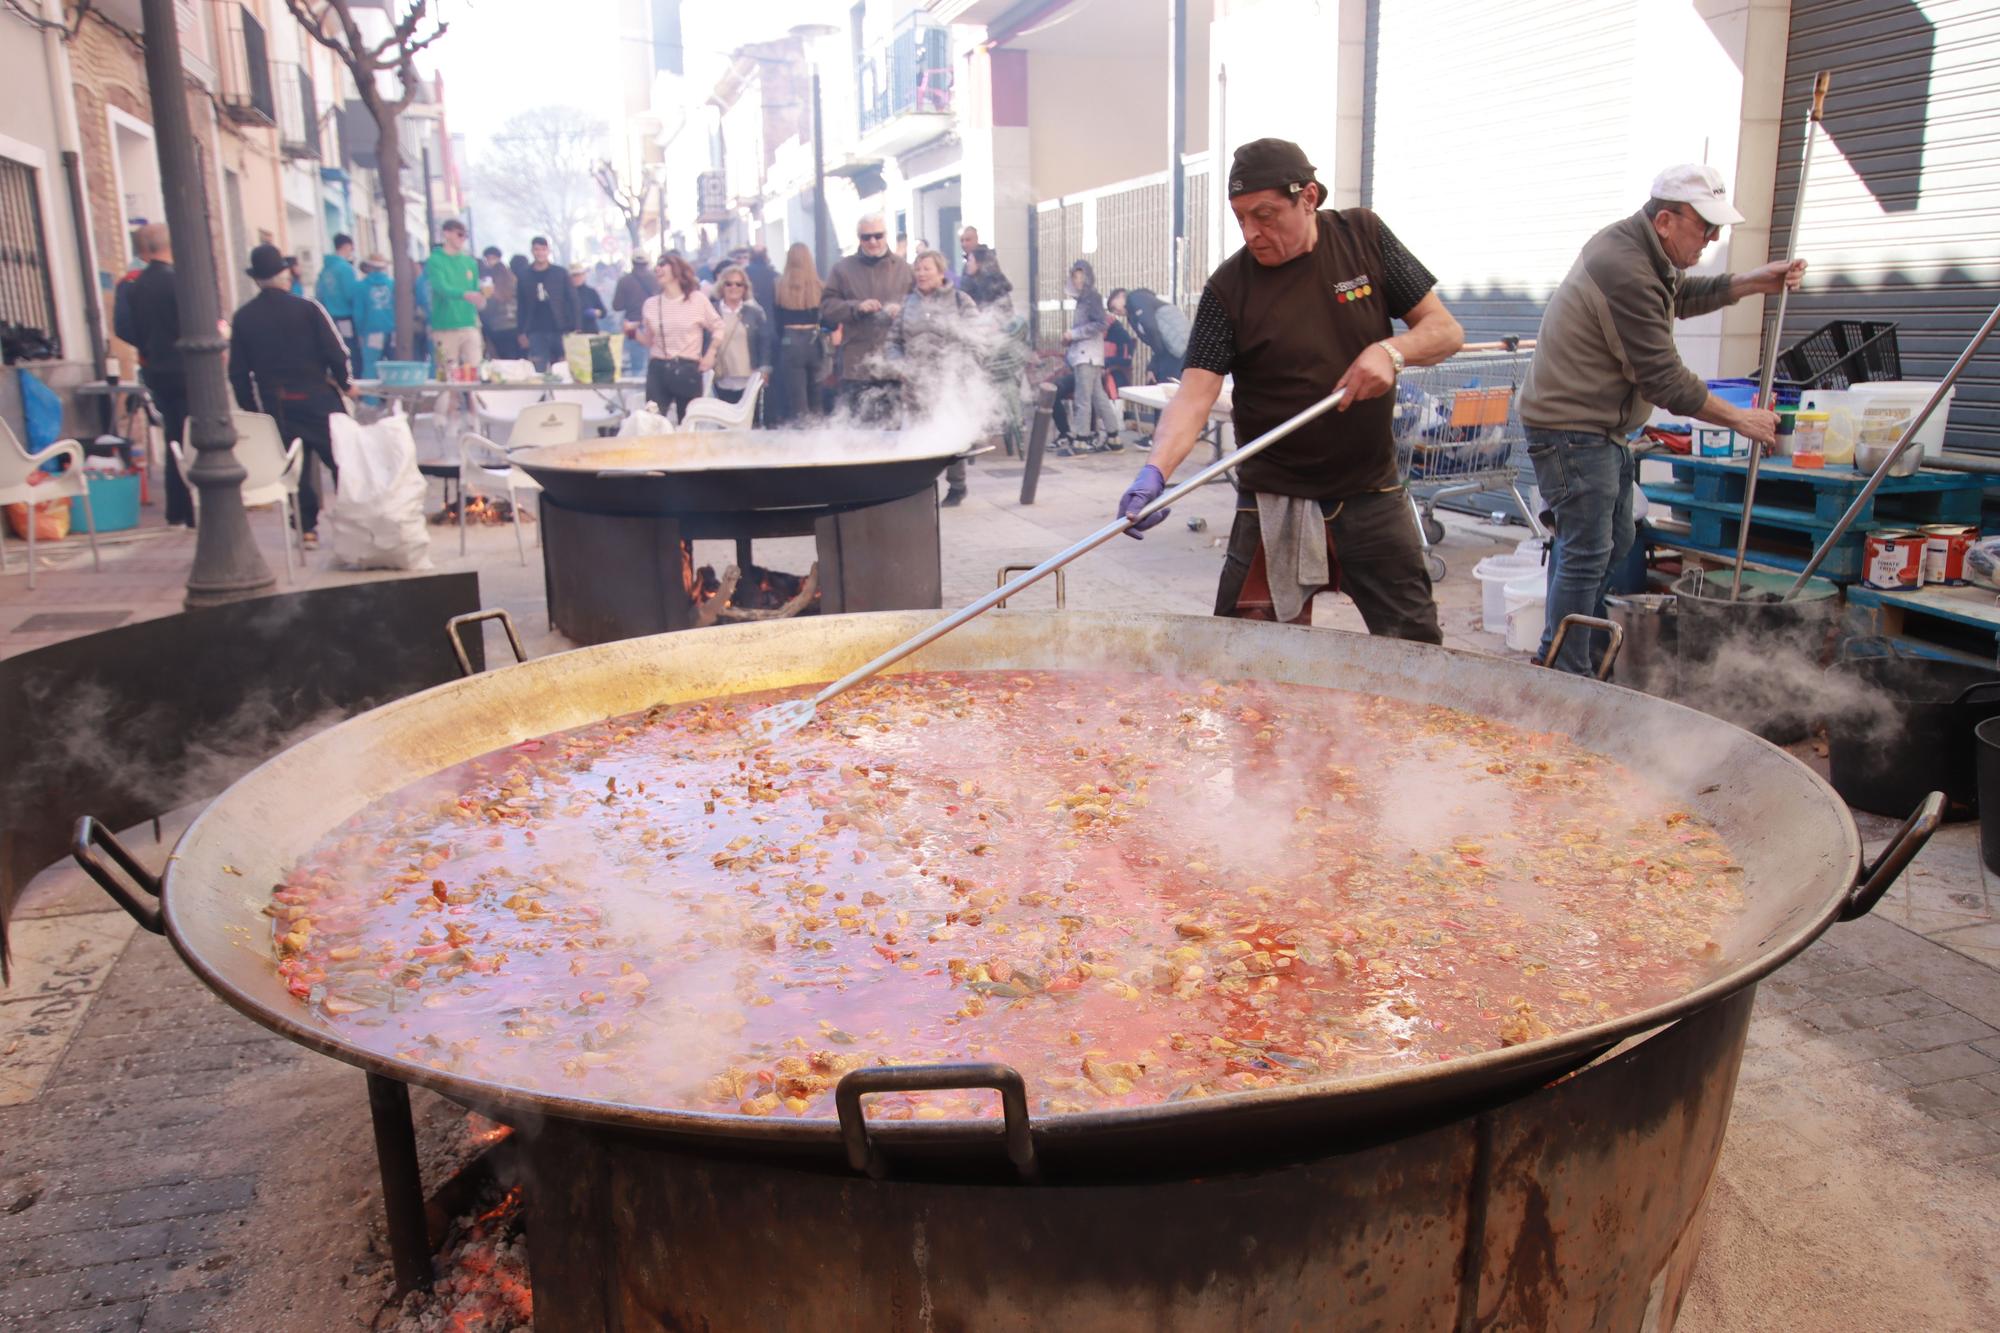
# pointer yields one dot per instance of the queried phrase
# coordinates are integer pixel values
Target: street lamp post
(227, 564)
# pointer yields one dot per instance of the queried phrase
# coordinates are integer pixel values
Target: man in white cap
(1605, 357)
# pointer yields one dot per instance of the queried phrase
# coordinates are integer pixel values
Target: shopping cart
(1458, 431)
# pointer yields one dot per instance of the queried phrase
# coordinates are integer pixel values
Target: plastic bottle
(1809, 440)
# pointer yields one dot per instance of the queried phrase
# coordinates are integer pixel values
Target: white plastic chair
(714, 414)
(273, 474)
(602, 408)
(546, 423)
(499, 410)
(17, 465)
(483, 469)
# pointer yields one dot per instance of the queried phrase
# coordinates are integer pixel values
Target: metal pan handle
(1589, 622)
(1879, 874)
(453, 627)
(1003, 1079)
(1970, 693)
(1009, 571)
(83, 843)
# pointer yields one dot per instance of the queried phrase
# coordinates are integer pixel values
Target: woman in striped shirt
(677, 328)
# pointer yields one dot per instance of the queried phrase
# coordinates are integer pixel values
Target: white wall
(28, 133)
(1075, 140)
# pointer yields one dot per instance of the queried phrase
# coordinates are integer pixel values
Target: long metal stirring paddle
(1764, 399)
(785, 718)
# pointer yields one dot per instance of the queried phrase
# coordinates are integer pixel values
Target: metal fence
(1122, 230)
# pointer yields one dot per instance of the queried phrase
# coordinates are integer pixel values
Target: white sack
(377, 516)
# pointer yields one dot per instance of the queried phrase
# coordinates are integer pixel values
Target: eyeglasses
(1709, 230)
(734, 283)
(872, 235)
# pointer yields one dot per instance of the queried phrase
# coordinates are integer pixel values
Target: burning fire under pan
(1554, 1182)
(637, 505)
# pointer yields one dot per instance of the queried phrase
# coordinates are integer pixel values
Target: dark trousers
(303, 417)
(676, 383)
(544, 346)
(875, 404)
(791, 393)
(1374, 556)
(344, 325)
(169, 394)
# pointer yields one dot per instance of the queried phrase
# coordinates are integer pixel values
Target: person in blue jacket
(337, 291)
(375, 313)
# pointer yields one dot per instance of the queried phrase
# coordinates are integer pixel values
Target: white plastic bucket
(1494, 573)
(1527, 606)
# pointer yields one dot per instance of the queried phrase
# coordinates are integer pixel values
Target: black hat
(267, 262)
(1270, 164)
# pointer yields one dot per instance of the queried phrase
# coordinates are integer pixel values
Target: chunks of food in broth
(1132, 890)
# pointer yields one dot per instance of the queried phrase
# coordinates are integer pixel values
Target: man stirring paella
(1304, 308)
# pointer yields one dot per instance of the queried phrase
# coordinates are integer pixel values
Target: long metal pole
(227, 564)
(822, 231)
(1821, 81)
(1080, 547)
(1904, 442)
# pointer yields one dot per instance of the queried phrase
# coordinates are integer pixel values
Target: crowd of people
(1308, 306)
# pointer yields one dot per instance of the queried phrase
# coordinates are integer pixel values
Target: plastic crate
(1843, 352)
(114, 503)
(403, 372)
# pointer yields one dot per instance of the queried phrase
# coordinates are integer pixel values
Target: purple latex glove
(1145, 488)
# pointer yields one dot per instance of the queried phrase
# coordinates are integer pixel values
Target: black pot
(1986, 744)
(1885, 761)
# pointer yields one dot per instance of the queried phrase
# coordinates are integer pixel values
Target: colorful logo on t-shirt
(1354, 289)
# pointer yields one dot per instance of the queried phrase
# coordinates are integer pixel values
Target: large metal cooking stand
(1431, 1196)
(615, 513)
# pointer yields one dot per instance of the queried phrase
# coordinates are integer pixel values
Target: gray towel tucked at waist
(1294, 533)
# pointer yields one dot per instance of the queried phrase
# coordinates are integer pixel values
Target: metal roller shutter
(1902, 216)
(1466, 101)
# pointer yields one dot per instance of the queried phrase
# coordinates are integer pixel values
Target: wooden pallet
(1797, 508)
(1959, 624)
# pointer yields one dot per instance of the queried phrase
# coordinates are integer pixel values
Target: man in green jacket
(453, 277)
(1604, 358)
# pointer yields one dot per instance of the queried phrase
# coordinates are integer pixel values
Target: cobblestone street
(166, 1164)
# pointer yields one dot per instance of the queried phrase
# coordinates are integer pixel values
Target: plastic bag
(1982, 562)
(52, 517)
(511, 372)
(593, 358)
(646, 421)
(377, 516)
(41, 412)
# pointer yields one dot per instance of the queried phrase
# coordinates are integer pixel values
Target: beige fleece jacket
(1605, 355)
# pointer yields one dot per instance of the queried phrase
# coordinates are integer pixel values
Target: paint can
(1893, 560)
(1945, 545)
(1714, 442)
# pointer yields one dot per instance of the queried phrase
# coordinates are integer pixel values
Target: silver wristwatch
(1395, 357)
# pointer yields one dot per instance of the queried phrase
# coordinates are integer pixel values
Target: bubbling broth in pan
(1132, 890)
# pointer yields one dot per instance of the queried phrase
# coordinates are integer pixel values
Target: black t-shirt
(1288, 332)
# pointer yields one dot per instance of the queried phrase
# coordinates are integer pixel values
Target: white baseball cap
(1701, 186)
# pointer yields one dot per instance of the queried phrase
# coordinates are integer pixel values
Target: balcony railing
(244, 66)
(911, 72)
(298, 113)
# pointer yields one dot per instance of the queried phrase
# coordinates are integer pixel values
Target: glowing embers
(739, 594)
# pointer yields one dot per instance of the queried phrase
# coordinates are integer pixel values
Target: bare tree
(332, 24)
(539, 170)
(628, 200)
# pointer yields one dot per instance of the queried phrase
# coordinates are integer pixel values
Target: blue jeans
(635, 359)
(1587, 481)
